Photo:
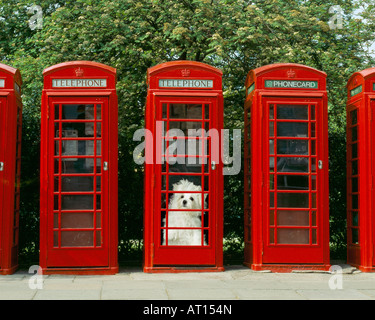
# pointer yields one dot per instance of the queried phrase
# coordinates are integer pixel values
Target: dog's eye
(182, 197)
(191, 198)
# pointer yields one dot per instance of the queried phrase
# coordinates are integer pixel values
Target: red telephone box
(183, 195)
(286, 169)
(10, 166)
(78, 205)
(360, 170)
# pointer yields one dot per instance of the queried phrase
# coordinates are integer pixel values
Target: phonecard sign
(79, 83)
(291, 84)
(2, 83)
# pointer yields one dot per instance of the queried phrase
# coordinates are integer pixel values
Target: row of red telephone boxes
(286, 215)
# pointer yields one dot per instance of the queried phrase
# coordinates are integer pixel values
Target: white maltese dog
(185, 219)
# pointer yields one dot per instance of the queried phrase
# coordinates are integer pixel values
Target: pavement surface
(236, 283)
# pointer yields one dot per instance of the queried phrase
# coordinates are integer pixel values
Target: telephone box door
(293, 218)
(2, 142)
(185, 182)
(78, 199)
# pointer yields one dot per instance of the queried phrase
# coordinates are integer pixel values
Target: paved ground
(236, 283)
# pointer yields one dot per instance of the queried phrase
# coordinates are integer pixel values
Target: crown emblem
(79, 72)
(291, 73)
(185, 72)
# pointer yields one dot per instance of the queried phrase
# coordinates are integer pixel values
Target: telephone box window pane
(292, 129)
(355, 236)
(272, 129)
(314, 239)
(272, 235)
(77, 202)
(312, 113)
(293, 218)
(77, 130)
(55, 238)
(77, 239)
(98, 220)
(272, 112)
(313, 200)
(313, 183)
(354, 201)
(73, 184)
(57, 111)
(98, 239)
(293, 200)
(207, 111)
(355, 134)
(354, 167)
(293, 164)
(99, 111)
(292, 182)
(164, 110)
(293, 236)
(355, 219)
(98, 202)
(353, 116)
(184, 126)
(189, 166)
(98, 183)
(78, 111)
(354, 150)
(185, 111)
(354, 184)
(77, 220)
(313, 147)
(272, 146)
(293, 147)
(313, 130)
(55, 202)
(76, 165)
(272, 164)
(272, 217)
(272, 199)
(313, 218)
(299, 112)
(77, 148)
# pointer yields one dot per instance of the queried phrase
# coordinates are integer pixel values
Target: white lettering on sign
(2, 83)
(79, 83)
(291, 84)
(186, 83)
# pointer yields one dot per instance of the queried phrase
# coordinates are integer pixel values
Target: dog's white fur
(184, 219)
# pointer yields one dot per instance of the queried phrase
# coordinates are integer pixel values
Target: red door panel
(77, 218)
(292, 219)
(184, 212)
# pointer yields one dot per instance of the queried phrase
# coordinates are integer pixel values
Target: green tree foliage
(133, 35)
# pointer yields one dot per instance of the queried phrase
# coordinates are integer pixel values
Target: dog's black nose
(184, 202)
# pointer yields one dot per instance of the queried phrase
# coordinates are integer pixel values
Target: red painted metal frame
(260, 253)
(164, 258)
(360, 170)
(102, 258)
(10, 156)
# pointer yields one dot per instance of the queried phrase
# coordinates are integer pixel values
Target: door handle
(320, 164)
(1, 166)
(213, 165)
(105, 165)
